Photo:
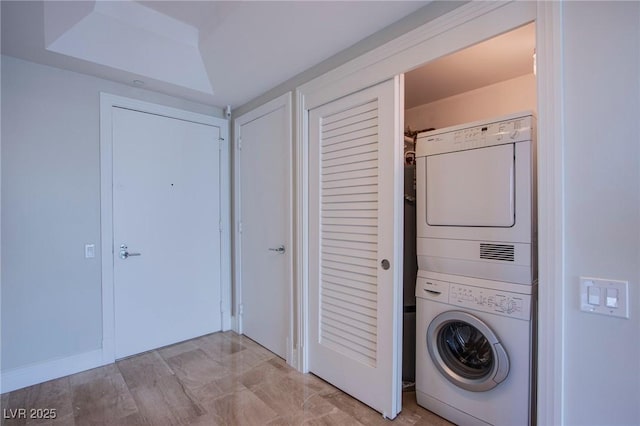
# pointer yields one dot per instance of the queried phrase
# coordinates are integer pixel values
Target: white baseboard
(37, 373)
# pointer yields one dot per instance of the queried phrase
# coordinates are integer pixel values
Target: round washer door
(466, 351)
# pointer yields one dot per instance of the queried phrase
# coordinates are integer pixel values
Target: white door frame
(283, 101)
(107, 102)
(462, 27)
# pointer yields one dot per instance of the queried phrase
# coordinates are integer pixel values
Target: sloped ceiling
(214, 52)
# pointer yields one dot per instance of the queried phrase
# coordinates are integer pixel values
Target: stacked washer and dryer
(477, 279)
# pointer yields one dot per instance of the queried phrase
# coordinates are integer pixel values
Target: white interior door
(355, 250)
(263, 184)
(166, 207)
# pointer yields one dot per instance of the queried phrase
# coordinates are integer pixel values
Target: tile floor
(218, 379)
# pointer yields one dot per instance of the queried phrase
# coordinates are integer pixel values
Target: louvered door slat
(350, 291)
(349, 273)
(364, 254)
(365, 344)
(369, 311)
(351, 260)
(343, 266)
(371, 181)
(358, 238)
(352, 151)
(347, 347)
(349, 160)
(350, 244)
(356, 198)
(351, 174)
(351, 112)
(357, 213)
(350, 221)
(340, 168)
(349, 130)
(359, 327)
(350, 140)
(348, 317)
(358, 205)
(353, 284)
(345, 229)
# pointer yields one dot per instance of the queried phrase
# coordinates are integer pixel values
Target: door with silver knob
(264, 255)
(166, 210)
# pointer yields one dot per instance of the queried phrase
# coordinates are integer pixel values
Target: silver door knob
(279, 250)
(125, 254)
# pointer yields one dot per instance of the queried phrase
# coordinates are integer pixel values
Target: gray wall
(418, 18)
(51, 294)
(602, 201)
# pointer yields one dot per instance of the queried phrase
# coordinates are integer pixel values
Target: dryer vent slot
(502, 252)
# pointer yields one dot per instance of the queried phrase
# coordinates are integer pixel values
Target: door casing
(107, 102)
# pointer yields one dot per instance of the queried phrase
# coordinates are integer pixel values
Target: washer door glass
(466, 351)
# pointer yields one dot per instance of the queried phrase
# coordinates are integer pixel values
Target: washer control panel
(493, 301)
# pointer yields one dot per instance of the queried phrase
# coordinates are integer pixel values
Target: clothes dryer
(476, 203)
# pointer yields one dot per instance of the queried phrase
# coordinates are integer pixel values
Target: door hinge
(220, 142)
(240, 227)
(239, 144)
(222, 311)
(240, 309)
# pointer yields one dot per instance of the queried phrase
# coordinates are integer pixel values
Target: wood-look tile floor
(218, 379)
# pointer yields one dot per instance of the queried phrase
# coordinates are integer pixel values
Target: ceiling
(501, 58)
(213, 52)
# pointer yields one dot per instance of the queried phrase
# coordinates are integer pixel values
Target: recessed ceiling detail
(128, 36)
(212, 52)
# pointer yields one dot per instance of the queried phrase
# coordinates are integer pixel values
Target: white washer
(474, 349)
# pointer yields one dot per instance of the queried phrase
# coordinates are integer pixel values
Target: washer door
(466, 351)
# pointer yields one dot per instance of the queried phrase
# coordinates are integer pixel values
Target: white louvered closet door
(355, 191)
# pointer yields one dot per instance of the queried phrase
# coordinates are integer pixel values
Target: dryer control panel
(493, 301)
(510, 129)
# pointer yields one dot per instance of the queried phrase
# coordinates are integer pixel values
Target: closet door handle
(279, 250)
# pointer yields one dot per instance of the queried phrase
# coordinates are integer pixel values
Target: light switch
(604, 296)
(593, 293)
(612, 297)
(89, 251)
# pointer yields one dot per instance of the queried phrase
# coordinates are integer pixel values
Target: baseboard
(21, 377)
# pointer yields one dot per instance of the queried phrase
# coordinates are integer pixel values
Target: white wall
(602, 207)
(51, 294)
(514, 95)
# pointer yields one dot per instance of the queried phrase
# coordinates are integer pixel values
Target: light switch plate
(89, 251)
(622, 287)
